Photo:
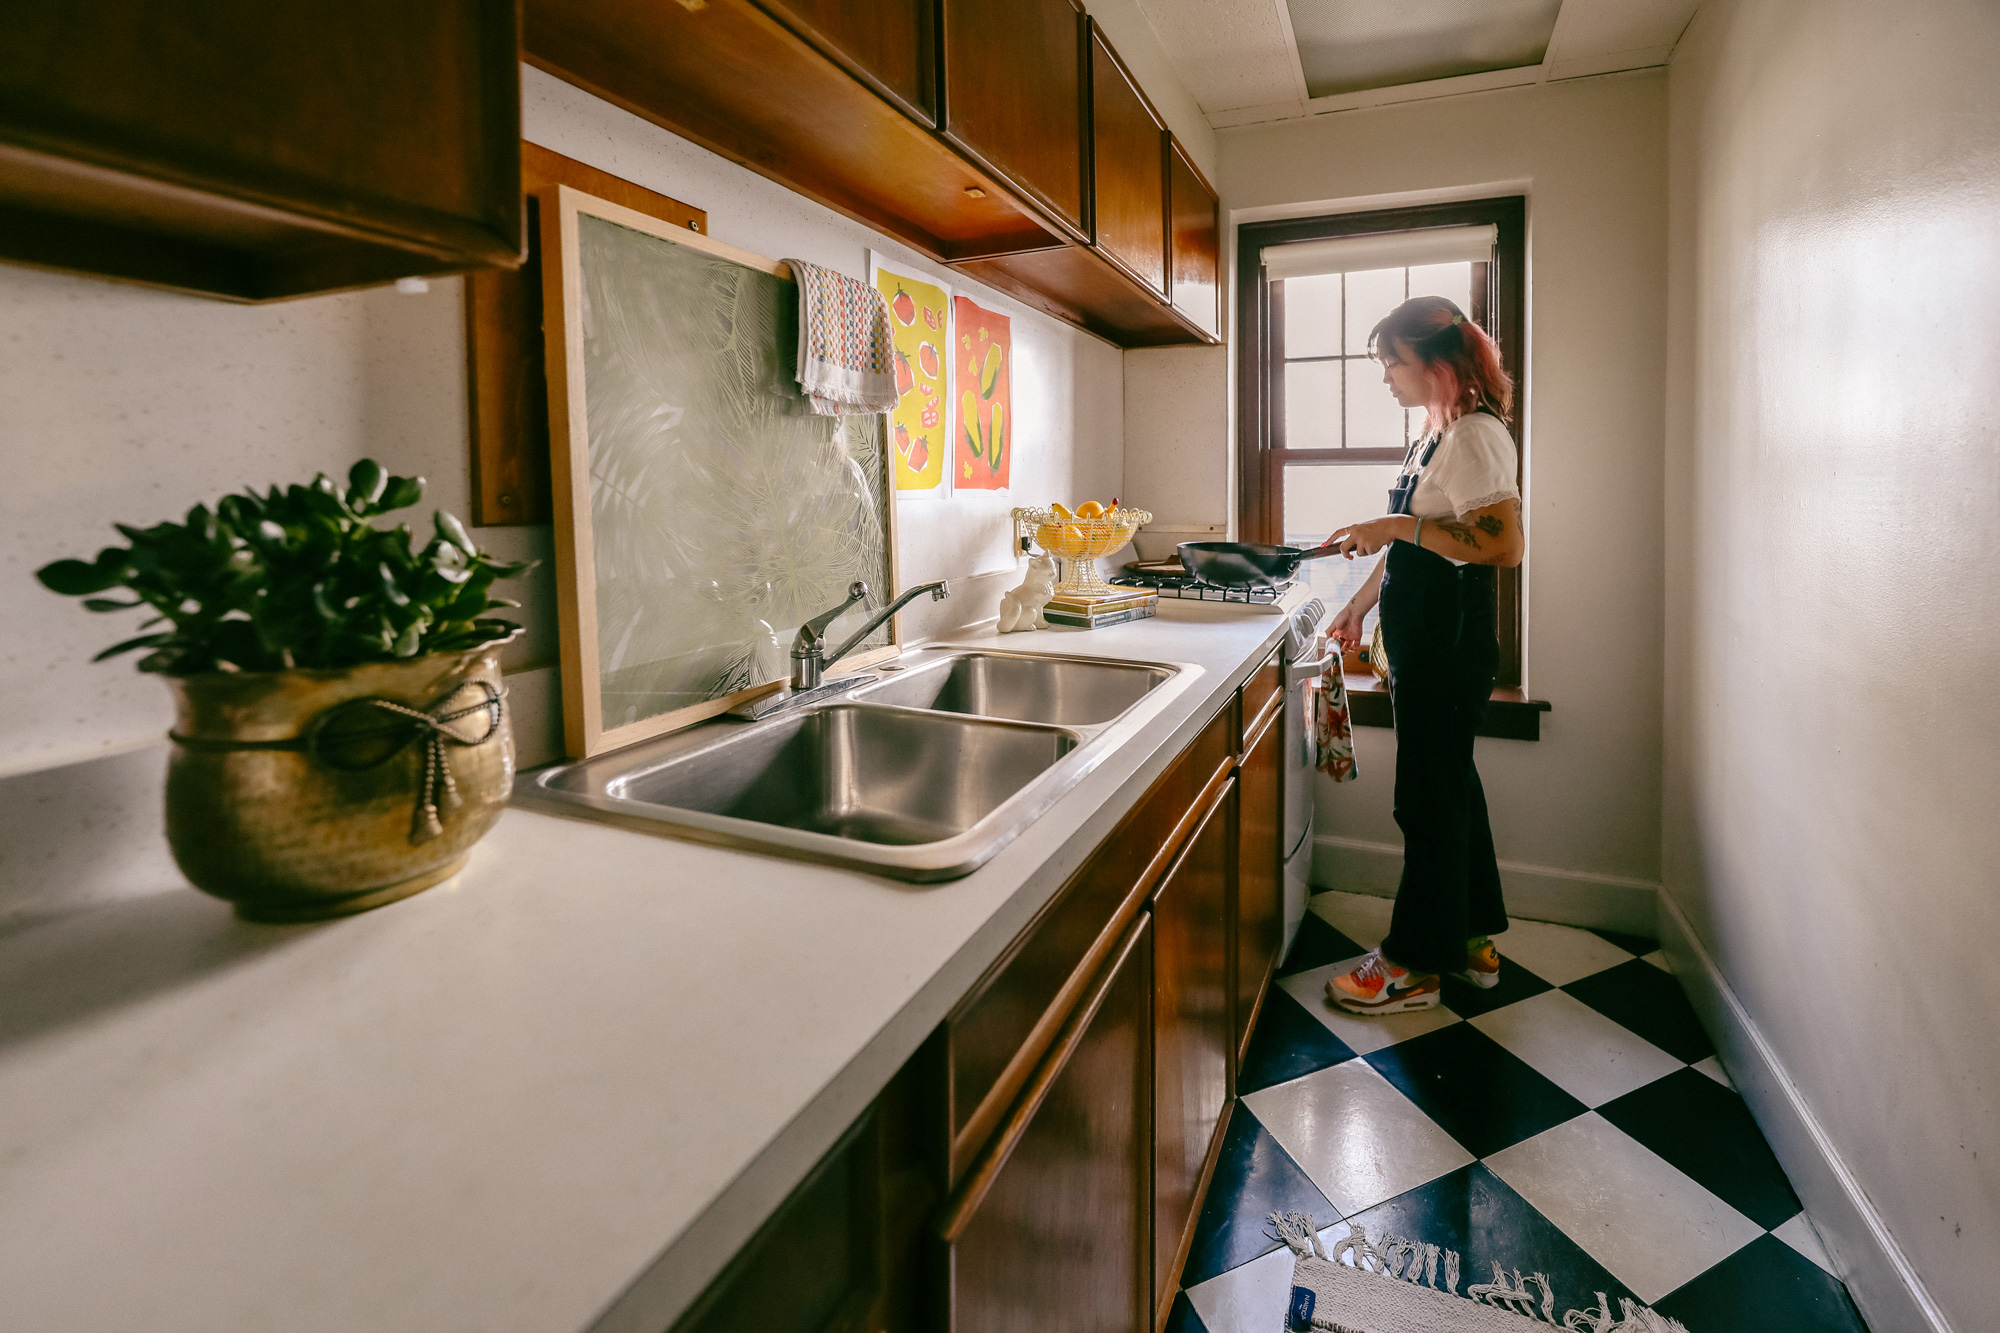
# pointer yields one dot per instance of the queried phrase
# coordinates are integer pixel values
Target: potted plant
(340, 737)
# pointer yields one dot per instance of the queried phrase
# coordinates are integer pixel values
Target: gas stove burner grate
(1169, 579)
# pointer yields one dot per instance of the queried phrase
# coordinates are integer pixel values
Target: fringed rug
(1403, 1286)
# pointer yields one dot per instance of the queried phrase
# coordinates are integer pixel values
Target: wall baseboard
(1878, 1274)
(1534, 893)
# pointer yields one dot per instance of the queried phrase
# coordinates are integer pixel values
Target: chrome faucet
(810, 659)
(809, 656)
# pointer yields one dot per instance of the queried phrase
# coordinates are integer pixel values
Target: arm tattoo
(1462, 533)
(1459, 533)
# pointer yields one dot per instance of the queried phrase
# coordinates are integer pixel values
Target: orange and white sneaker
(1482, 967)
(1377, 986)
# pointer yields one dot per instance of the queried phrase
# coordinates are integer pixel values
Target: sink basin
(1061, 691)
(922, 774)
(880, 775)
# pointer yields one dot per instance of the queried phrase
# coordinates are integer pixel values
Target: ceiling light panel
(1348, 46)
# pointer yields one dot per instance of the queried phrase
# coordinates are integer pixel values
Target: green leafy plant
(297, 577)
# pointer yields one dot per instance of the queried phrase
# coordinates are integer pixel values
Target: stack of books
(1094, 610)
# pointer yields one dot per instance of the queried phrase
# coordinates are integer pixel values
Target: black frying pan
(1246, 564)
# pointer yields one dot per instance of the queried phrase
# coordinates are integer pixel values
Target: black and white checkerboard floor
(1572, 1121)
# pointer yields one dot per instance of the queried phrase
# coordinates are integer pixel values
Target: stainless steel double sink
(922, 770)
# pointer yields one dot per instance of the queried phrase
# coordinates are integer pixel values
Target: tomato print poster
(983, 435)
(920, 322)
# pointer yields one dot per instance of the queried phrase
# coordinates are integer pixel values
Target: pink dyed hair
(1464, 363)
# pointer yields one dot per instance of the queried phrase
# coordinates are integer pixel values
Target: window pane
(1370, 296)
(1312, 405)
(1312, 316)
(1374, 420)
(1451, 281)
(1320, 499)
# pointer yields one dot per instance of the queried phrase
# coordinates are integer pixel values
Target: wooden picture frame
(584, 730)
(507, 386)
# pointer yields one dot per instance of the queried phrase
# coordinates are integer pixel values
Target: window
(1320, 437)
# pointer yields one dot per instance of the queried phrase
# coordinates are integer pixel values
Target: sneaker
(1482, 967)
(1377, 986)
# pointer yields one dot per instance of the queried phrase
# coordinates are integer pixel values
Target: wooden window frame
(1261, 458)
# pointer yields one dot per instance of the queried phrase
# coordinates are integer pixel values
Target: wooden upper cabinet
(1128, 169)
(891, 44)
(1014, 96)
(256, 151)
(802, 91)
(1197, 243)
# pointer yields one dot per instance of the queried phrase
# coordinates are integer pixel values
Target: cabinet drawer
(1049, 1230)
(1265, 684)
(1260, 882)
(1003, 1026)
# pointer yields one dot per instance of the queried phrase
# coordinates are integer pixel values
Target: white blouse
(1475, 466)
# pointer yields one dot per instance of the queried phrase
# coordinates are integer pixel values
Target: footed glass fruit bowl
(1081, 537)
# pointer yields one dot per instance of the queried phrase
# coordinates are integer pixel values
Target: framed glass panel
(1312, 404)
(1451, 281)
(1312, 316)
(1370, 296)
(1322, 497)
(1374, 419)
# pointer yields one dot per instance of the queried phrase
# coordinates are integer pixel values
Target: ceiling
(1250, 61)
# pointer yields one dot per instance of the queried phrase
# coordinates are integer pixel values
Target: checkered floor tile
(1572, 1121)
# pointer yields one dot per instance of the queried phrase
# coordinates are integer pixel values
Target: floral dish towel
(1332, 731)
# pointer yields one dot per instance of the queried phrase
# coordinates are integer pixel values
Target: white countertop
(556, 1093)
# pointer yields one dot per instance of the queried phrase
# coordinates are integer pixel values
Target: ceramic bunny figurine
(1022, 608)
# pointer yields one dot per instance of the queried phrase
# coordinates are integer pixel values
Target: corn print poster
(983, 434)
(919, 320)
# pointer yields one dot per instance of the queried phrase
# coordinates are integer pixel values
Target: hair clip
(1458, 319)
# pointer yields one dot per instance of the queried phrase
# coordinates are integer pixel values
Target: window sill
(1510, 714)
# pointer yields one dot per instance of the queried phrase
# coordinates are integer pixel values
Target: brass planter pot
(301, 795)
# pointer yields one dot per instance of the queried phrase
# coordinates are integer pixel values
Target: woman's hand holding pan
(1365, 538)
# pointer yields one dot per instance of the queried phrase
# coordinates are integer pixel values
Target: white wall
(120, 403)
(1833, 502)
(1591, 157)
(1177, 434)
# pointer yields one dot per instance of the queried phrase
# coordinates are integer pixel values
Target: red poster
(984, 453)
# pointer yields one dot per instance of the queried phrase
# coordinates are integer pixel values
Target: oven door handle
(1305, 671)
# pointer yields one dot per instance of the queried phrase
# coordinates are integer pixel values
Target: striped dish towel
(844, 343)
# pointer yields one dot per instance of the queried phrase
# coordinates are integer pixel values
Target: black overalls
(1438, 630)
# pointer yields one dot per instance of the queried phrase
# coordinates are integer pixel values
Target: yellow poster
(919, 318)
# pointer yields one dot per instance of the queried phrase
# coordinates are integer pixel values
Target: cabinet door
(889, 43)
(258, 151)
(1049, 1231)
(845, 1253)
(1013, 95)
(1191, 1028)
(1128, 169)
(1260, 881)
(1197, 244)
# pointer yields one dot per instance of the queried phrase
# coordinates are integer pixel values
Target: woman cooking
(1454, 517)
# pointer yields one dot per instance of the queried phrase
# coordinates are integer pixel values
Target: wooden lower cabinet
(1192, 1046)
(1048, 1231)
(1260, 870)
(847, 1252)
(1040, 1163)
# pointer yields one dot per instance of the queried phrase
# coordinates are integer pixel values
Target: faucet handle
(815, 629)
